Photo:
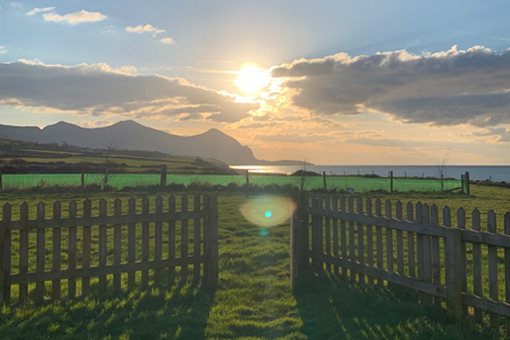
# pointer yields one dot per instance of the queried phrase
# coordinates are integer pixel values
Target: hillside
(130, 135)
(29, 157)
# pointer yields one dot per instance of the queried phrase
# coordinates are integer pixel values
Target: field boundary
(441, 262)
(106, 246)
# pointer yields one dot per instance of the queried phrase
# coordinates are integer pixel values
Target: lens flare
(268, 211)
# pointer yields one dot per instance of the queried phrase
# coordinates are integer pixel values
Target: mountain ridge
(212, 143)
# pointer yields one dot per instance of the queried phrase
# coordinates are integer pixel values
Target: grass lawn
(254, 299)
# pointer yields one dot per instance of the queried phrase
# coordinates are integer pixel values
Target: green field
(119, 181)
(254, 299)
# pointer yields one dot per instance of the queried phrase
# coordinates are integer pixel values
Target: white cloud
(39, 10)
(167, 41)
(446, 88)
(100, 90)
(75, 18)
(2, 49)
(148, 28)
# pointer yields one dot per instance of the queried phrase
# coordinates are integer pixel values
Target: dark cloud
(502, 134)
(445, 88)
(98, 89)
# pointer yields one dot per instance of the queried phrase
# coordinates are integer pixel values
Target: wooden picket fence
(44, 258)
(465, 270)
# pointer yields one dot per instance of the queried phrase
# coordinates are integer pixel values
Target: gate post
(453, 266)
(211, 258)
(298, 238)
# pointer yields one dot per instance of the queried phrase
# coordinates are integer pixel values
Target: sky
(330, 82)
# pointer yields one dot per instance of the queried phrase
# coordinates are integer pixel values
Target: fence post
(466, 179)
(247, 179)
(82, 180)
(1, 181)
(211, 239)
(453, 244)
(391, 181)
(462, 183)
(162, 182)
(324, 180)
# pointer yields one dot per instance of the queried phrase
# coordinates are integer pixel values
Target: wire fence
(119, 181)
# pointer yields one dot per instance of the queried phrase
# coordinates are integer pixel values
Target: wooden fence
(51, 258)
(465, 270)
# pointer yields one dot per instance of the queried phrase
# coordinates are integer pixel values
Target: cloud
(148, 28)
(39, 10)
(167, 41)
(2, 49)
(293, 138)
(75, 18)
(502, 134)
(100, 90)
(445, 88)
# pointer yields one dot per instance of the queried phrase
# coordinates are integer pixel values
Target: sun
(251, 79)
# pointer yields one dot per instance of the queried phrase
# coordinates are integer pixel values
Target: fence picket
(493, 269)
(171, 240)
(71, 251)
(361, 240)
(145, 243)
(461, 224)
(427, 258)
(40, 253)
(117, 243)
(87, 235)
(131, 243)
(400, 240)
(184, 235)
(379, 240)
(334, 207)
(477, 265)
(320, 232)
(56, 251)
(196, 239)
(352, 245)
(419, 242)
(343, 236)
(389, 239)
(436, 265)
(411, 262)
(158, 238)
(327, 228)
(23, 251)
(370, 242)
(102, 245)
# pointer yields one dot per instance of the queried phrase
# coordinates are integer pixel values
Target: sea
(481, 172)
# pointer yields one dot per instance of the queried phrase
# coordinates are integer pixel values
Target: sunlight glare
(251, 79)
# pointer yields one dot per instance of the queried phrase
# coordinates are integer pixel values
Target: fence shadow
(332, 308)
(179, 312)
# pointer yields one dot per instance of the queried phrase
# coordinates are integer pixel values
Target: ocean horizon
(495, 173)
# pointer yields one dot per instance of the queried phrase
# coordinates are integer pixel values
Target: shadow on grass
(179, 312)
(335, 309)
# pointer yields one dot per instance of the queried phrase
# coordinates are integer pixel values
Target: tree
(441, 171)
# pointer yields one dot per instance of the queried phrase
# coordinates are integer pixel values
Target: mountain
(131, 135)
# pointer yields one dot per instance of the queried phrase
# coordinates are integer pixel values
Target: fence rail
(127, 247)
(465, 270)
